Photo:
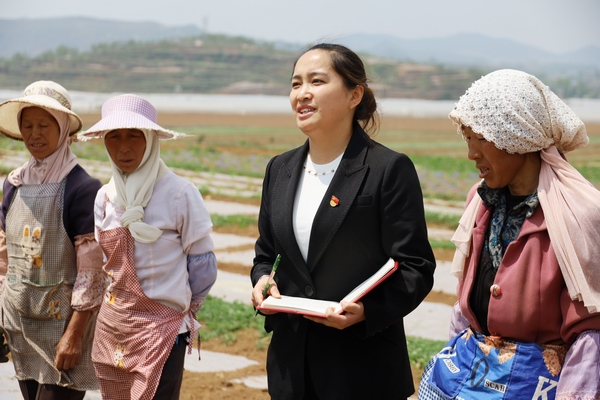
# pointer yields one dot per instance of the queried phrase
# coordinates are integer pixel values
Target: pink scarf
(572, 212)
(573, 220)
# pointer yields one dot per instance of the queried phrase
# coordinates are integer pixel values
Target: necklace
(316, 173)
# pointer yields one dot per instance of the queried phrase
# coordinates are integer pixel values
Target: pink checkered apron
(134, 334)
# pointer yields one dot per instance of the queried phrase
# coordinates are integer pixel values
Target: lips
(37, 148)
(483, 171)
(305, 110)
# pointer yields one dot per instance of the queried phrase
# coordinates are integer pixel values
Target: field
(243, 144)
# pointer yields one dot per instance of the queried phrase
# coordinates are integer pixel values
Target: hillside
(473, 49)
(236, 65)
(32, 37)
(212, 64)
(112, 56)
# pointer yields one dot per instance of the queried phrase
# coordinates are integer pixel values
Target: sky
(557, 26)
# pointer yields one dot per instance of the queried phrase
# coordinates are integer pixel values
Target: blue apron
(478, 367)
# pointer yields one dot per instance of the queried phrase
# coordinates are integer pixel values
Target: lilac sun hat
(128, 111)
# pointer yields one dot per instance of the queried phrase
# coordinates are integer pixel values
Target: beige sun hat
(45, 94)
(128, 111)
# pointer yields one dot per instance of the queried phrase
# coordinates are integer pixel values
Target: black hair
(352, 70)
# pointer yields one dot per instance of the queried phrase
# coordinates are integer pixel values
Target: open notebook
(318, 308)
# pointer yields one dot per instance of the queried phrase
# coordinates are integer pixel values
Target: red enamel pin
(334, 201)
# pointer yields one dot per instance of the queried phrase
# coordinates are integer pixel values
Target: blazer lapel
(344, 186)
(283, 196)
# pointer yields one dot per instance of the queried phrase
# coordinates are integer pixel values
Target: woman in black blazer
(336, 209)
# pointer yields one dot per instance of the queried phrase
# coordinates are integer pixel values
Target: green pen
(268, 285)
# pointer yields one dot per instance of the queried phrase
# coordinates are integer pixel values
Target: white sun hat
(45, 94)
(128, 111)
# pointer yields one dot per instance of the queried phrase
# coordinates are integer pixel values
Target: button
(495, 290)
(308, 290)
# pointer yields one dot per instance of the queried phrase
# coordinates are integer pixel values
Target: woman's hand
(69, 348)
(353, 314)
(4, 350)
(68, 352)
(257, 292)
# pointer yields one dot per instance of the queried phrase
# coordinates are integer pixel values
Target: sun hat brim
(9, 125)
(126, 120)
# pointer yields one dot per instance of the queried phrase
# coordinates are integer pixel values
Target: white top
(309, 195)
(177, 208)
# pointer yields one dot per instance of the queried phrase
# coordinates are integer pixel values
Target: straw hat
(128, 111)
(45, 94)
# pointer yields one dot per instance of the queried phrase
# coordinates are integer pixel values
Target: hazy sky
(553, 25)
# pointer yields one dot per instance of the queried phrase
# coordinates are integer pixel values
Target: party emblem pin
(334, 201)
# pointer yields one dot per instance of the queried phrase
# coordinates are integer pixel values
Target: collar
(497, 197)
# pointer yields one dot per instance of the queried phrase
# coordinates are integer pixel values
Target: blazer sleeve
(264, 250)
(404, 238)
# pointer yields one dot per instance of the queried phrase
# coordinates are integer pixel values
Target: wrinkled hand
(68, 351)
(353, 314)
(4, 350)
(257, 293)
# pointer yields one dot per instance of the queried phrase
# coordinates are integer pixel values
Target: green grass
(421, 350)
(222, 320)
(444, 220)
(591, 173)
(460, 166)
(10, 144)
(441, 244)
(92, 150)
(448, 175)
(5, 170)
(243, 221)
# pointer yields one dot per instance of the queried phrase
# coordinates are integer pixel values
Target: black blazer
(380, 215)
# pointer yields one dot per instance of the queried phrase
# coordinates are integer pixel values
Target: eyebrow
(310, 75)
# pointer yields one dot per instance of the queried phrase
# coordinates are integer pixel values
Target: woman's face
(40, 132)
(126, 148)
(319, 98)
(497, 167)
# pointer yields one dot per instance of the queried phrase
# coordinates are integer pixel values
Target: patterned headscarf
(519, 114)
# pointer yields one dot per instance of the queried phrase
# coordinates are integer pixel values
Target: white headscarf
(132, 192)
(53, 168)
(519, 114)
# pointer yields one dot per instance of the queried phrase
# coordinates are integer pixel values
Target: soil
(219, 385)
